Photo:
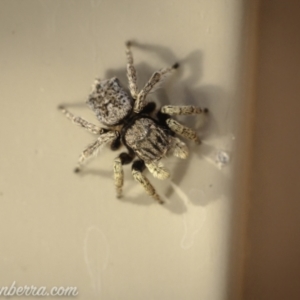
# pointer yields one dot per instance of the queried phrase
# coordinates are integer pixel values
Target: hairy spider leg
(138, 167)
(131, 72)
(177, 127)
(154, 83)
(83, 123)
(123, 159)
(92, 149)
(182, 110)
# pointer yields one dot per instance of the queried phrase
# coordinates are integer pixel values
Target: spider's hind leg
(137, 168)
(93, 149)
(131, 72)
(81, 122)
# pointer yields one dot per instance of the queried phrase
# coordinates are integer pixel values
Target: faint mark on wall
(193, 219)
(96, 255)
(219, 155)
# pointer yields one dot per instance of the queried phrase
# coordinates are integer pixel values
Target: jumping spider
(129, 122)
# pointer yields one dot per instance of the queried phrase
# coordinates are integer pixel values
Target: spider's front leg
(123, 159)
(154, 83)
(137, 168)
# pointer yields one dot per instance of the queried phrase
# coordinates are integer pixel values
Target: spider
(130, 120)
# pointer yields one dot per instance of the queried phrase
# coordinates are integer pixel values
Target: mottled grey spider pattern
(131, 121)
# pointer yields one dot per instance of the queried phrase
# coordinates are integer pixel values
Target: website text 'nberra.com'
(42, 291)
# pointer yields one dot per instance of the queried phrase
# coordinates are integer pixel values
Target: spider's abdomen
(110, 101)
(147, 139)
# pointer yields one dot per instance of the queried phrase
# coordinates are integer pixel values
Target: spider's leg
(179, 148)
(123, 159)
(157, 170)
(183, 110)
(137, 168)
(83, 123)
(92, 149)
(182, 130)
(131, 72)
(154, 83)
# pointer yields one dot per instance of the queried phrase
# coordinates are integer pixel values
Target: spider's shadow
(187, 92)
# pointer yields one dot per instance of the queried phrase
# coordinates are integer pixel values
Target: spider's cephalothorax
(131, 121)
(147, 139)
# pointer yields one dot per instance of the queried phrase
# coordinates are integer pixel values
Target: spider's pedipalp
(182, 130)
(137, 169)
(158, 170)
(81, 122)
(179, 148)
